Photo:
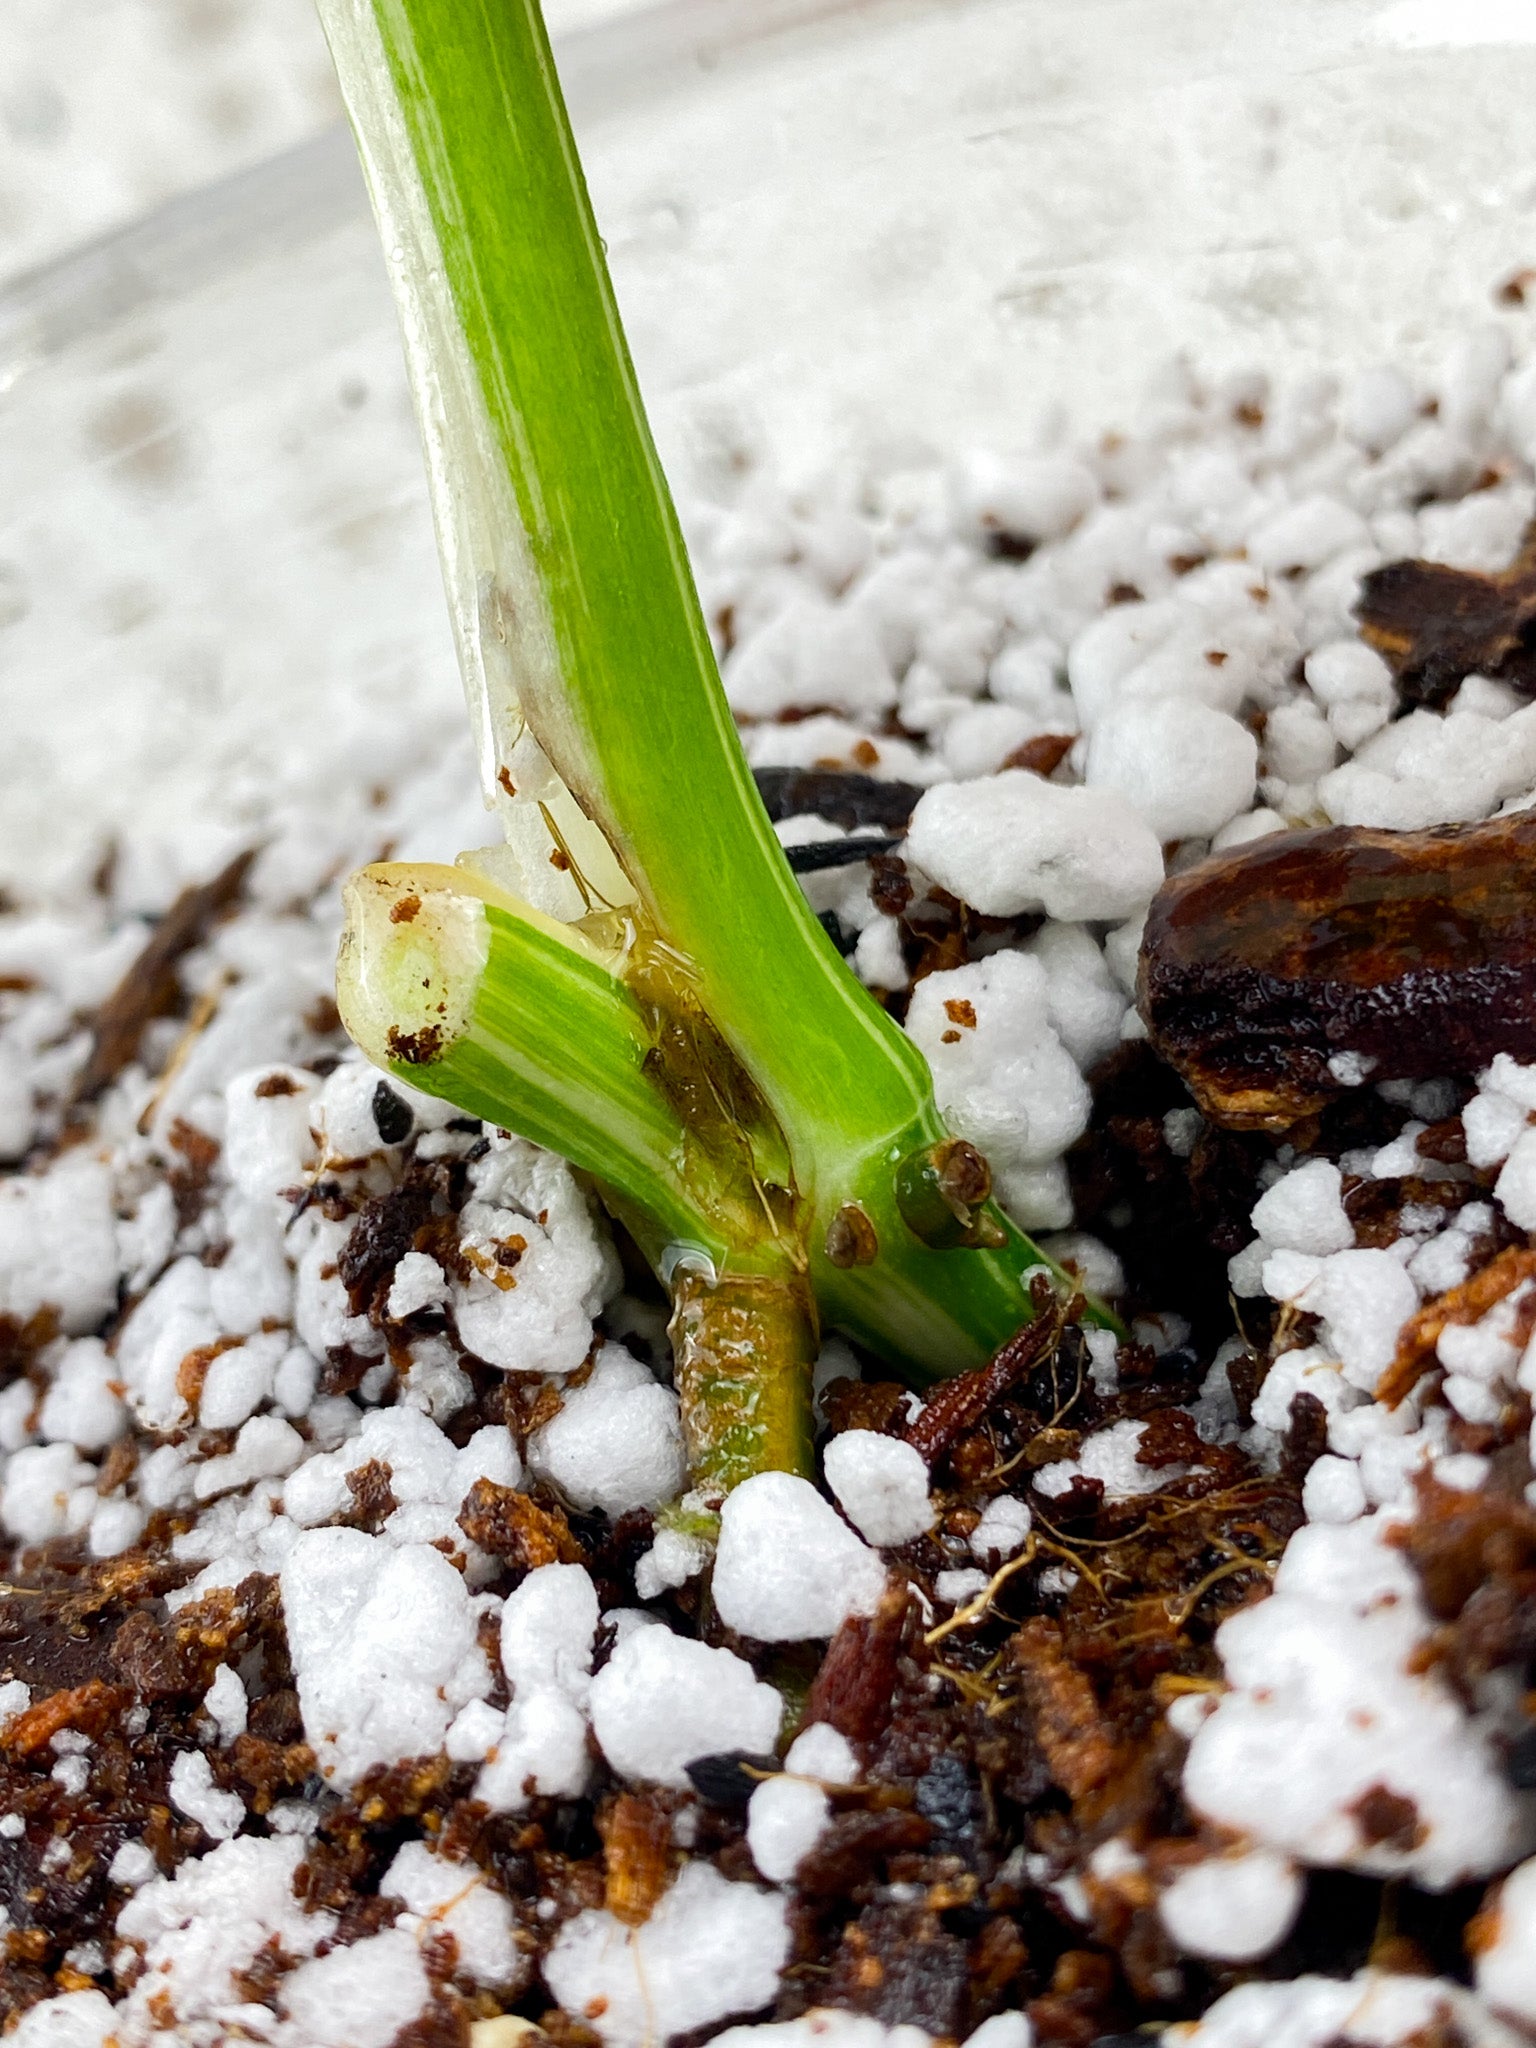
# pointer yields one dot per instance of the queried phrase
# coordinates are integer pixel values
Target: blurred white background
(108, 107)
(848, 236)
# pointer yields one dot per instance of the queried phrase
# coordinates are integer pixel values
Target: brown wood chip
(89, 1707)
(1074, 1737)
(1044, 754)
(1435, 626)
(957, 1405)
(1468, 1303)
(1413, 952)
(636, 1833)
(149, 988)
(852, 1688)
(508, 1524)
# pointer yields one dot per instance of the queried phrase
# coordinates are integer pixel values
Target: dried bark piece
(276, 1717)
(175, 1657)
(1074, 1737)
(636, 1833)
(1044, 754)
(852, 1848)
(1375, 1207)
(89, 1707)
(1171, 1437)
(1444, 1142)
(1468, 1303)
(857, 1677)
(1082, 2004)
(266, 1767)
(373, 1497)
(1306, 1439)
(1413, 951)
(21, 1341)
(1001, 1954)
(152, 1659)
(149, 988)
(840, 797)
(192, 1169)
(57, 1634)
(864, 1404)
(1461, 1544)
(508, 1524)
(1435, 626)
(959, 1404)
(384, 1232)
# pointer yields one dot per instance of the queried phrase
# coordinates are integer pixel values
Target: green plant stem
(606, 740)
(743, 1348)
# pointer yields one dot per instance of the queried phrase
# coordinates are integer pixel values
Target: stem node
(851, 1239)
(942, 1191)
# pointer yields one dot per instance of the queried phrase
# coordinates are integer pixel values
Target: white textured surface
(201, 1928)
(1372, 2009)
(787, 1567)
(661, 1700)
(358, 1997)
(440, 1893)
(383, 1647)
(784, 1817)
(880, 1484)
(708, 1950)
(1326, 1705)
(1234, 1907)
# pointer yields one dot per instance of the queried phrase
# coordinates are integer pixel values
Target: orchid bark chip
(1276, 976)
(1435, 625)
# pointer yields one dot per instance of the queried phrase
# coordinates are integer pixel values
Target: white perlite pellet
(787, 1567)
(881, 1485)
(1233, 1907)
(661, 1701)
(1012, 843)
(709, 1949)
(383, 1645)
(1003, 1078)
(1373, 2008)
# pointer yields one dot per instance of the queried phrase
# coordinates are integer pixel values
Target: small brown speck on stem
(851, 1239)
